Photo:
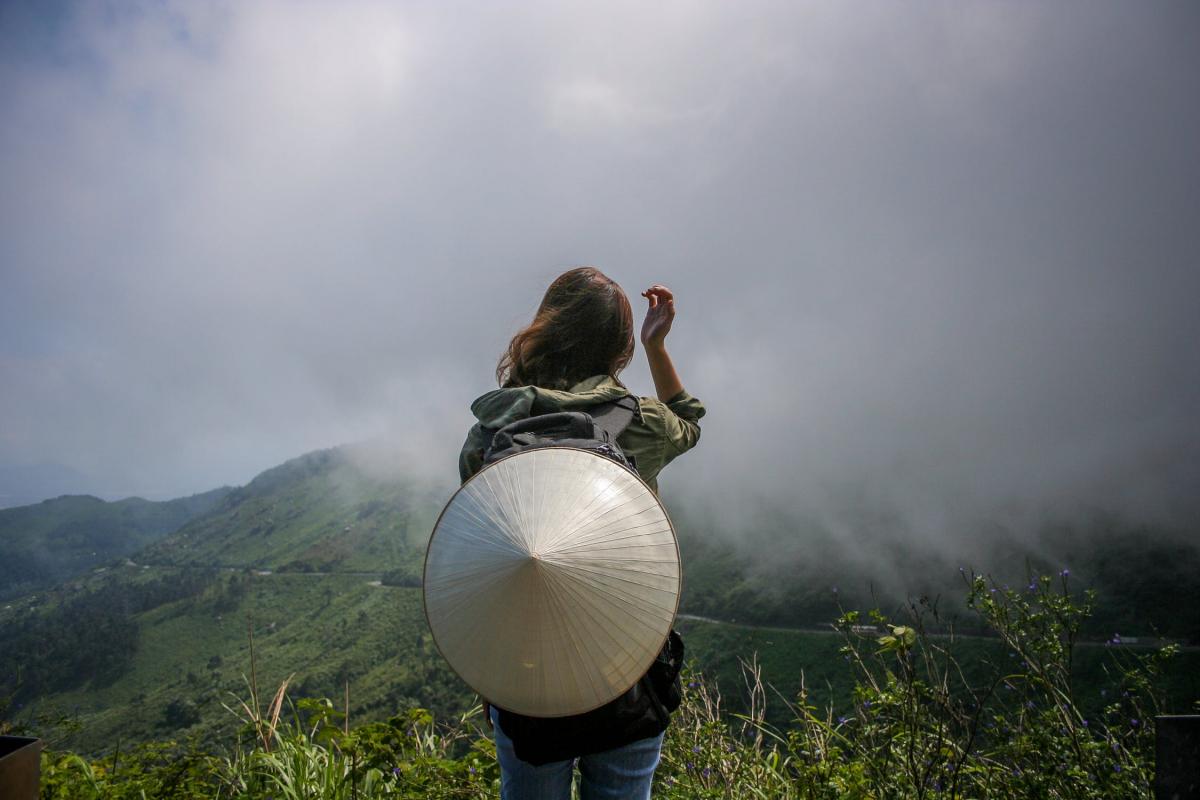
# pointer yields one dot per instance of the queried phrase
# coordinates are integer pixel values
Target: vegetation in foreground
(922, 725)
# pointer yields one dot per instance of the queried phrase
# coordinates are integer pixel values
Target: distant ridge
(335, 510)
(45, 543)
(26, 484)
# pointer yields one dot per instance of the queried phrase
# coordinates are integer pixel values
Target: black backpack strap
(613, 418)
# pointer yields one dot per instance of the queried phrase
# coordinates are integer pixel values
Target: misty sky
(937, 255)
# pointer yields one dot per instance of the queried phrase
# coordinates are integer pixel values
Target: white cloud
(941, 250)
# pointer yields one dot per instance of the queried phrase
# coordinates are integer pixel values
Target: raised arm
(659, 315)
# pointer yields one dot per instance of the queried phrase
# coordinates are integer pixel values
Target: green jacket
(664, 431)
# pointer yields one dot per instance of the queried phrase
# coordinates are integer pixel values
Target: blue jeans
(624, 773)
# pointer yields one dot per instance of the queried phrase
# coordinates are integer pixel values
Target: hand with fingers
(659, 315)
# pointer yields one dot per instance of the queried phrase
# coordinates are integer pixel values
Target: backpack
(595, 430)
(644, 709)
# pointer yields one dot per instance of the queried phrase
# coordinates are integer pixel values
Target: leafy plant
(924, 724)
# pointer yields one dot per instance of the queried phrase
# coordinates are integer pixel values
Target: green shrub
(924, 725)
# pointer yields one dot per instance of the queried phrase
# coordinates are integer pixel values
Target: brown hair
(583, 327)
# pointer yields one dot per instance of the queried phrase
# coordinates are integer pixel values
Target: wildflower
(1066, 573)
(696, 748)
(396, 771)
(690, 766)
(692, 684)
(841, 720)
(707, 772)
(1085, 723)
(1133, 723)
(1029, 704)
(1032, 587)
(1116, 767)
(866, 703)
(471, 770)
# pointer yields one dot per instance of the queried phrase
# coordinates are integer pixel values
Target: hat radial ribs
(551, 581)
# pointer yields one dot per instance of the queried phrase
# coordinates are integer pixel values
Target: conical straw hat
(551, 581)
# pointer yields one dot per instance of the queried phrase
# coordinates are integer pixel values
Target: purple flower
(692, 684)
(1066, 573)
(1085, 723)
(866, 703)
(696, 748)
(841, 720)
(471, 770)
(1134, 723)
(690, 766)
(396, 771)
(707, 772)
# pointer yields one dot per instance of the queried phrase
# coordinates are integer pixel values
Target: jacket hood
(500, 407)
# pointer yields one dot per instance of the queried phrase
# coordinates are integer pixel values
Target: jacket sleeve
(470, 459)
(684, 430)
(676, 422)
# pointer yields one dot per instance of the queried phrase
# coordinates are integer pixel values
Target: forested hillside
(51, 541)
(781, 570)
(319, 559)
(331, 510)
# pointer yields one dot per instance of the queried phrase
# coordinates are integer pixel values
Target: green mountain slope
(780, 570)
(328, 511)
(51, 541)
(152, 647)
(332, 633)
(183, 658)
